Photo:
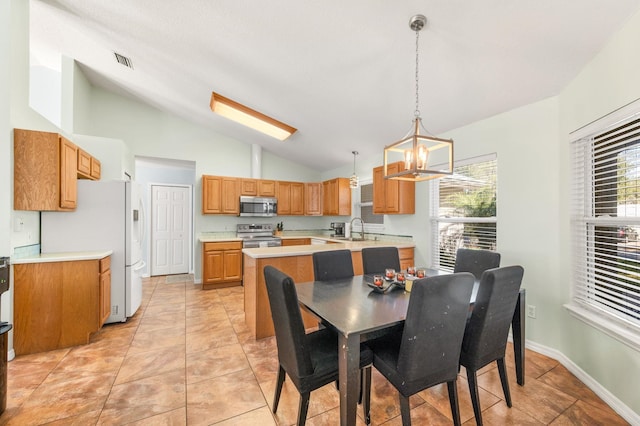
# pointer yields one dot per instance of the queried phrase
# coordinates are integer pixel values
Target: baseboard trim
(618, 406)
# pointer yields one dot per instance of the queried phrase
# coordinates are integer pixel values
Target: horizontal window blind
(463, 210)
(606, 221)
(366, 206)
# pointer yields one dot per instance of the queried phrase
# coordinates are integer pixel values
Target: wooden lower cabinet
(296, 241)
(58, 304)
(406, 257)
(105, 289)
(221, 264)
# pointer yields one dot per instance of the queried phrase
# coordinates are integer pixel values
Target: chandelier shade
(425, 157)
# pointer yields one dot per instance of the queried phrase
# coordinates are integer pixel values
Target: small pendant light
(353, 181)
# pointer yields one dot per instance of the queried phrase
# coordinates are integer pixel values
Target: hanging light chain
(417, 111)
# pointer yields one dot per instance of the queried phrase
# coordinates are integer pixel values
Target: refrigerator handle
(143, 224)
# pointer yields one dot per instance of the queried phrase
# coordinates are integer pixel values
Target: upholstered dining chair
(476, 261)
(310, 360)
(485, 336)
(376, 259)
(427, 352)
(332, 265)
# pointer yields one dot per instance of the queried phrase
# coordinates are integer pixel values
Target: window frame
(584, 222)
(435, 219)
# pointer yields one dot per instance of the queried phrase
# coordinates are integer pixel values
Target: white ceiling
(341, 72)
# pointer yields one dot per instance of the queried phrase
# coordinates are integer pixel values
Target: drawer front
(105, 264)
(229, 245)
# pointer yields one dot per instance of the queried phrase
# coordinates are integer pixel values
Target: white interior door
(170, 229)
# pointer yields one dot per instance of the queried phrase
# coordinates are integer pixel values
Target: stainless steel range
(257, 235)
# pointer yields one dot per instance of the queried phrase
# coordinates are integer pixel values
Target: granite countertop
(284, 251)
(63, 257)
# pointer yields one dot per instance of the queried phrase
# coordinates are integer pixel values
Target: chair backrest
(376, 259)
(291, 339)
(434, 327)
(485, 337)
(332, 265)
(476, 261)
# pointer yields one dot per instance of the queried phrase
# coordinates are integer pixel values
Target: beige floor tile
(582, 413)
(215, 362)
(137, 400)
(542, 402)
(177, 417)
(151, 363)
(209, 339)
(261, 416)
(214, 400)
(157, 339)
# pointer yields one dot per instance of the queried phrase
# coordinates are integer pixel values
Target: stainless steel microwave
(258, 206)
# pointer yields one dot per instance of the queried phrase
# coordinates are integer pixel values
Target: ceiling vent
(123, 60)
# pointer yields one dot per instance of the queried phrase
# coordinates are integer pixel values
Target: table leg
(349, 366)
(518, 329)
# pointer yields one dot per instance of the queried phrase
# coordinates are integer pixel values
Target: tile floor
(187, 357)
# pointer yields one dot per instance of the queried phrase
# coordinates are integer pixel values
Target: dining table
(357, 312)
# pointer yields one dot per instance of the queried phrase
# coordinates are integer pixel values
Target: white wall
(148, 132)
(609, 82)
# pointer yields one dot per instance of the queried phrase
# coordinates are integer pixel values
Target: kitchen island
(297, 262)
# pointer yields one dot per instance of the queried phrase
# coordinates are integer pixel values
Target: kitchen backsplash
(25, 251)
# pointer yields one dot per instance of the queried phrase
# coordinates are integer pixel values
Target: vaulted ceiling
(341, 72)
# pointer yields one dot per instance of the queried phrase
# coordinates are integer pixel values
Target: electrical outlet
(531, 311)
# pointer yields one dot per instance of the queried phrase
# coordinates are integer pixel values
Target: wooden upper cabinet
(96, 168)
(290, 198)
(313, 199)
(297, 198)
(336, 197)
(84, 163)
(284, 197)
(88, 167)
(45, 171)
(266, 188)
(393, 196)
(249, 187)
(220, 195)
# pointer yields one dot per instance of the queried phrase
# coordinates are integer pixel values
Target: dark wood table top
(351, 306)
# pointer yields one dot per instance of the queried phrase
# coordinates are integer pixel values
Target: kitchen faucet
(361, 229)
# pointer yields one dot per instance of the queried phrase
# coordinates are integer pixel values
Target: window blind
(605, 221)
(463, 210)
(366, 205)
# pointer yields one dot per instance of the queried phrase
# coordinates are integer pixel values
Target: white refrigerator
(109, 216)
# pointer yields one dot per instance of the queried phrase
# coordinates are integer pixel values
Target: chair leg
(453, 400)
(475, 399)
(365, 393)
(405, 410)
(279, 383)
(302, 409)
(502, 369)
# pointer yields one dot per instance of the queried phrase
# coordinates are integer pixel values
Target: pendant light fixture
(424, 156)
(353, 180)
